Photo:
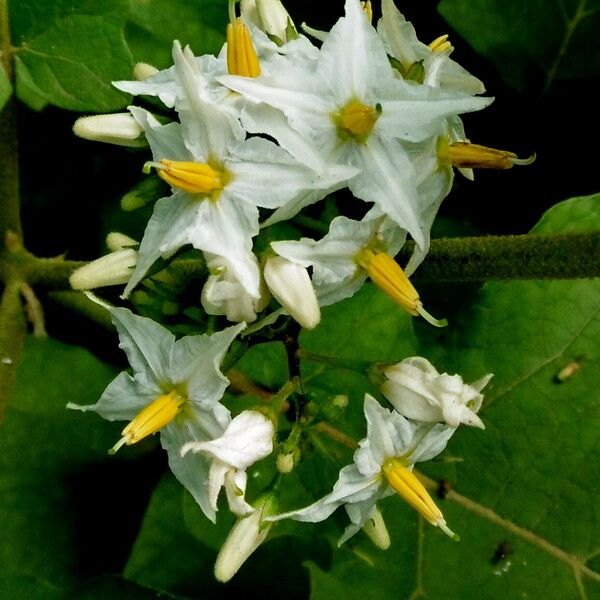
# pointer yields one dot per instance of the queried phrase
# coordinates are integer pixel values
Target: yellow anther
(368, 9)
(389, 277)
(195, 178)
(472, 156)
(241, 54)
(155, 416)
(440, 44)
(406, 485)
(356, 120)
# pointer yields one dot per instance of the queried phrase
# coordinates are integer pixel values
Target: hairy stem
(13, 330)
(531, 256)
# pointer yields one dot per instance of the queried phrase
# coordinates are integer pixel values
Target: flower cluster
(273, 125)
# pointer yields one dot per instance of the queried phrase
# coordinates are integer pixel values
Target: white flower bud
(117, 128)
(119, 241)
(223, 294)
(113, 269)
(143, 71)
(270, 16)
(285, 462)
(377, 531)
(247, 534)
(290, 284)
(416, 390)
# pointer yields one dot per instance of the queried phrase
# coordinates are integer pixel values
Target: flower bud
(118, 128)
(291, 286)
(377, 531)
(247, 534)
(113, 269)
(119, 241)
(416, 390)
(270, 16)
(143, 71)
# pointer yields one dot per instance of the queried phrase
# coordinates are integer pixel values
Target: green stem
(13, 330)
(9, 158)
(533, 256)
(332, 361)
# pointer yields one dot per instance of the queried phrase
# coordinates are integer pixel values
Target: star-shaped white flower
(333, 258)
(219, 180)
(382, 465)
(248, 438)
(176, 388)
(357, 112)
(418, 391)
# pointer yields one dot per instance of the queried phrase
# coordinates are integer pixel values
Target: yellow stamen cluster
(356, 120)
(155, 416)
(388, 276)
(241, 54)
(368, 9)
(406, 485)
(440, 44)
(472, 156)
(195, 178)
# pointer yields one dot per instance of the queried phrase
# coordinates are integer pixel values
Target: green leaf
(68, 55)
(5, 87)
(199, 23)
(112, 587)
(529, 40)
(525, 487)
(53, 468)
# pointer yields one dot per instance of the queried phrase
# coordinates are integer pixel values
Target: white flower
(290, 284)
(223, 294)
(119, 128)
(248, 438)
(219, 180)
(175, 389)
(416, 390)
(382, 465)
(353, 108)
(336, 273)
(438, 70)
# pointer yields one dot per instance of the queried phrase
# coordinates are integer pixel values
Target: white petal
(165, 233)
(248, 438)
(195, 361)
(122, 400)
(432, 443)
(235, 489)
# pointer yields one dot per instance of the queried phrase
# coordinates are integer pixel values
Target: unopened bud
(285, 463)
(113, 269)
(291, 286)
(119, 241)
(247, 534)
(377, 531)
(118, 128)
(143, 71)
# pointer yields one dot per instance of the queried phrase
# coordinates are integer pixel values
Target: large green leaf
(67, 53)
(154, 24)
(55, 512)
(530, 40)
(526, 486)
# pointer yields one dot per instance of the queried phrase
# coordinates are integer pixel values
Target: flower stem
(332, 361)
(533, 256)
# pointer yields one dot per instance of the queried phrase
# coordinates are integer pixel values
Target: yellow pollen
(356, 120)
(195, 178)
(389, 277)
(241, 55)
(156, 415)
(440, 44)
(368, 9)
(406, 485)
(472, 156)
